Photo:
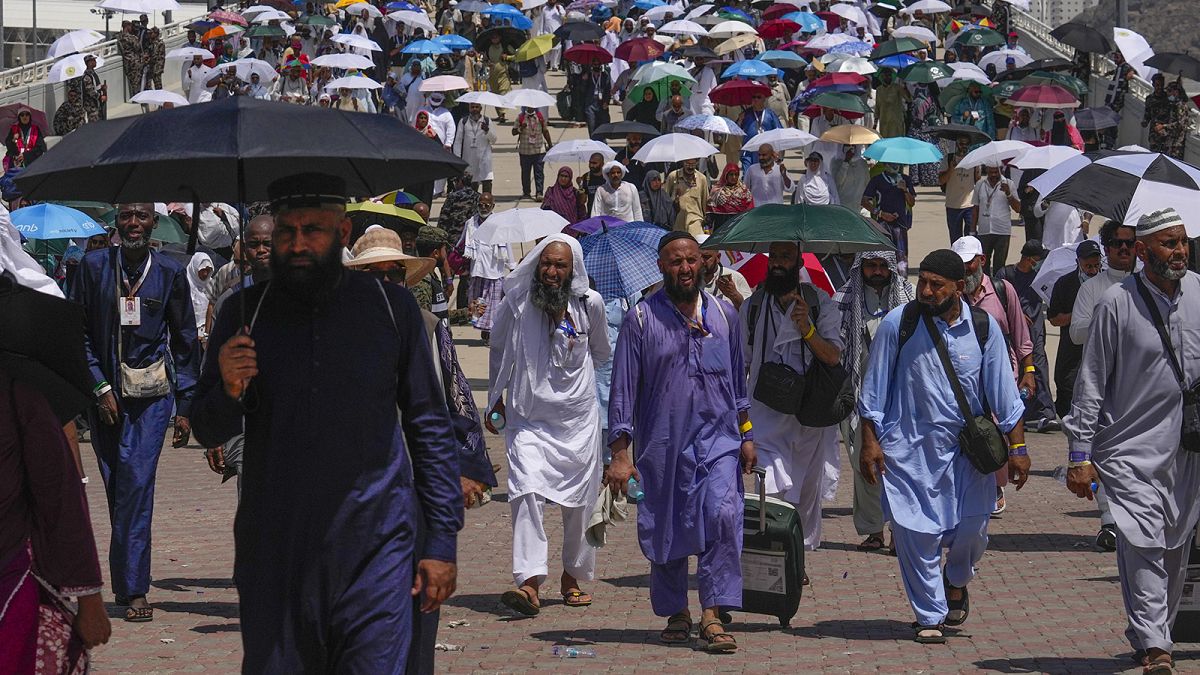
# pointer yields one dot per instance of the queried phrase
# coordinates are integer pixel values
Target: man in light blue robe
(932, 493)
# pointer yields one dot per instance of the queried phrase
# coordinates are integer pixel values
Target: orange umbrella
(221, 32)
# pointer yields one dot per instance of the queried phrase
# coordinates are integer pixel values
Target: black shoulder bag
(1189, 433)
(980, 439)
(779, 387)
(829, 394)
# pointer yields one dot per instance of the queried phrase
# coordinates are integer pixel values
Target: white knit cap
(1154, 221)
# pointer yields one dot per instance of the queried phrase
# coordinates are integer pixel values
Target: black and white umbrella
(1124, 185)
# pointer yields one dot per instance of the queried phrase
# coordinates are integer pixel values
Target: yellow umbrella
(736, 42)
(385, 210)
(535, 47)
(850, 134)
(346, 3)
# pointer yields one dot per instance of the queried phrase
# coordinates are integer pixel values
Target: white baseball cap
(967, 248)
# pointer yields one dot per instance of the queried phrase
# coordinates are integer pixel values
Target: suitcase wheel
(785, 623)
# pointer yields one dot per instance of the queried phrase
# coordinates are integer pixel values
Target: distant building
(1056, 12)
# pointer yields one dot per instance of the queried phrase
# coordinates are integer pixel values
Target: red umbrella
(640, 49)
(778, 28)
(789, 45)
(1043, 96)
(830, 79)
(816, 273)
(776, 11)
(8, 117)
(226, 16)
(832, 21)
(587, 54)
(738, 92)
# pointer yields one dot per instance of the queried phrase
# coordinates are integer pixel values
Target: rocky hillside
(1168, 25)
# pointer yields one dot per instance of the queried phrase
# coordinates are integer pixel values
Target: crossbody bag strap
(944, 354)
(1160, 325)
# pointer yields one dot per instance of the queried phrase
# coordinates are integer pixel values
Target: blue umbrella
(403, 6)
(425, 47)
(855, 47)
(809, 22)
(782, 59)
(749, 68)
(649, 4)
(903, 150)
(454, 42)
(502, 11)
(51, 221)
(623, 260)
(898, 61)
(736, 12)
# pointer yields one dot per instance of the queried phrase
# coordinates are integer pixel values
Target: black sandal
(929, 635)
(713, 642)
(959, 609)
(677, 624)
(139, 614)
(519, 602)
(873, 542)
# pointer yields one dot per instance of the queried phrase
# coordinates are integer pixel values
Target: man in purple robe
(689, 448)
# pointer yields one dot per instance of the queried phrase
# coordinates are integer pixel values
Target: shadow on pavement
(218, 628)
(228, 610)
(1045, 543)
(1053, 665)
(592, 636)
(641, 581)
(846, 629)
(184, 585)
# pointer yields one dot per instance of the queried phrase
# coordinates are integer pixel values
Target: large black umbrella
(699, 52)
(1091, 119)
(1081, 37)
(579, 31)
(1125, 186)
(509, 37)
(953, 131)
(1051, 64)
(621, 129)
(41, 345)
(1175, 63)
(231, 150)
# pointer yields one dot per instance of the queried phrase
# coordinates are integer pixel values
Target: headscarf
(609, 166)
(850, 301)
(662, 207)
(727, 198)
(199, 287)
(563, 200)
(426, 128)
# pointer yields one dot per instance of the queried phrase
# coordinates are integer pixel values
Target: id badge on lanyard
(129, 307)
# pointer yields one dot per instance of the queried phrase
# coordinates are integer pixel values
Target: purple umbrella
(592, 225)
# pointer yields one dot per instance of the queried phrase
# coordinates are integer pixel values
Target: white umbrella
(529, 98)
(70, 68)
(140, 6)
(1133, 148)
(484, 98)
(1044, 157)
(674, 148)
(270, 15)
(190, 52)
(727, 29)
(356, 41)
(850, 13)
(915, 32)
(257, 9)
(579, 150)
(682, 27)
(799, 4)
(660, 13)
(472, 6)
(1135, 49)
(517, 225)
(853, 64)
(414, 19)
(699, 10)
(993, 154)
(926, 6)
(780, 139)
(247, 67)
(1020, 4)
(353, 82)
(998, 57)
(1057, 264)
(531, 4)
(358, 8)
(344, 61)
(712, 123)
(75, 41)
(158, 97)
(827, 40)
(444, 83)
(664, 40)
(1055, 176)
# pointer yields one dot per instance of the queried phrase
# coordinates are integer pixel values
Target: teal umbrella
(903, 150)
(898, 46)
(818, 229)
(841, 101)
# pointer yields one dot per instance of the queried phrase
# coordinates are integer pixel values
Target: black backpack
(911, 316)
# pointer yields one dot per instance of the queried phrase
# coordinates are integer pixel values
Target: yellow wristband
(1031, 369)
(746, 426)
(812, 328)
(1014, 446)
(1073, 465)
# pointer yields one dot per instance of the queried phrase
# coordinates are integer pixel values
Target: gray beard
(1163, 269)
(552, 301)
(973, 281)
(135, 245)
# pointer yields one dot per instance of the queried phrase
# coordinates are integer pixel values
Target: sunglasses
(396, 276)
(1120, 243)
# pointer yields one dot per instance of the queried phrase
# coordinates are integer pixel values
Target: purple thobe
(678, 393)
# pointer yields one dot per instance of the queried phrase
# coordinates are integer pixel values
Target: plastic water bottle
(497, 419)
(1060, 475)
(635, 491)
(1025, 393)
(574, 652)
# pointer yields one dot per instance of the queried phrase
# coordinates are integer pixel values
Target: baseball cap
(967, 248)
(1087, 249)
(1034, 249)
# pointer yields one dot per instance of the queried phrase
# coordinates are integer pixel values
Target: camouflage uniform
(130, 48)
(90, 99)
(156, 60)
(1173, 115)
(69, 117)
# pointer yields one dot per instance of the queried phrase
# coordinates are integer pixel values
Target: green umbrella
(898, 46)
(926, 72)
(818, 229)
(168, 230)
(840, 101)
(956, 90)
(317, 20)
(980, 37)
(265, 31)
(93, 209)
(1072, 84)
(658, 77)
(1006, 89)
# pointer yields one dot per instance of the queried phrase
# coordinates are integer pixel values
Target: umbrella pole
(241, 186)
(194, 234)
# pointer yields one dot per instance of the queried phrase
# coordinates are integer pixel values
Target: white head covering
(198, 286)
(520, 280)
(608, 166)
(20, 265)
(1152, 222)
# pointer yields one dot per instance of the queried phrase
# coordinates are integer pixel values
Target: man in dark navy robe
(142, 299)
(334, 377)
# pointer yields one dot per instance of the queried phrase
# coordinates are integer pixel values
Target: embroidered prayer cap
(306, 191)
(1154, 221)
(672, 236)
(944, 263)
(967, 248)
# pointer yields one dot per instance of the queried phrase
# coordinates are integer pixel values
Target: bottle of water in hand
(634, 490)
(497, 419)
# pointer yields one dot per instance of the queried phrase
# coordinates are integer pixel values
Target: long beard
(679, 293)
(781, 281)
(549, 299)
(974, 280)
(307, 283)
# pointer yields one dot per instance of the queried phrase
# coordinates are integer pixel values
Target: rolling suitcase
(1187, 619)
(772, 555)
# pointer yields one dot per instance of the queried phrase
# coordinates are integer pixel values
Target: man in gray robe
(1125, 429)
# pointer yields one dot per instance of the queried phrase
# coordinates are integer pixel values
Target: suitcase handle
(760, 480)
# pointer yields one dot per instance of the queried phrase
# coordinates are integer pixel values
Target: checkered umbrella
(623, 260)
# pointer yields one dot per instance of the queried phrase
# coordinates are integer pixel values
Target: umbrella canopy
(903, 150)
(854, 64)
(231, 150)
(780, 139)
(579, 150)
(850, 13)
(850, 134)
(190, 52)
(777, 28)
(738, 92)
(994, 153)
(926, 7)
(575, 31)
(360, 42)
(158, 97)
(809, 22)
(509, 36)
(425, 47)
(958, 89)
(75, 41)
(818, 229)
(1072, 84)
(222, 31)
(698, 52)
(445, 83)
(980, 37)
(518, 225)
(70, 68)
(901, 45)
(1050, 96)
(1044, 157)
(727, 29)
(623, 260)
(1126, 186)
(852, 48)
(998, 59)
(916, 32)
(674, 148)
(897, 61)
(535, 47)
(588, 54)
(782, 59)
(926, 72)
(683, 27)
(1058, 263)
(8, 117)
(396, 218)
(736, 42)
(1175, 63)
(1005, 89)
(484, 98)
(593, 224)
(316, 20)
(749, 68)
(454, 42)
(640, 49)
(51, 221)
(265, 31)
(1091, 119)
(621, 129)
(1083, 38)
(42, 345)
(345, 61)
(352, 82)
(247, 67)
(951, 132)
(226, 16)
(529, 98)
(840, 101)
(414, 19)
(714, 123)
(139, 6)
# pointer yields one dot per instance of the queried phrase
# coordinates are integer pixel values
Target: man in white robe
(473, 143)
(550, 332)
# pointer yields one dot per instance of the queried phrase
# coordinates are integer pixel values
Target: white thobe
(1089, 296)
(488, 261)
(623, 202)
(194, 81)
(1063, 224)
(474, 146)
(706, 81)
(442, 122)
(816, 188)
(767, 188)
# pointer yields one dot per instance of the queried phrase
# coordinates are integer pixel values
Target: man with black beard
(346, 430)
(549, 336)
(787, 321)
